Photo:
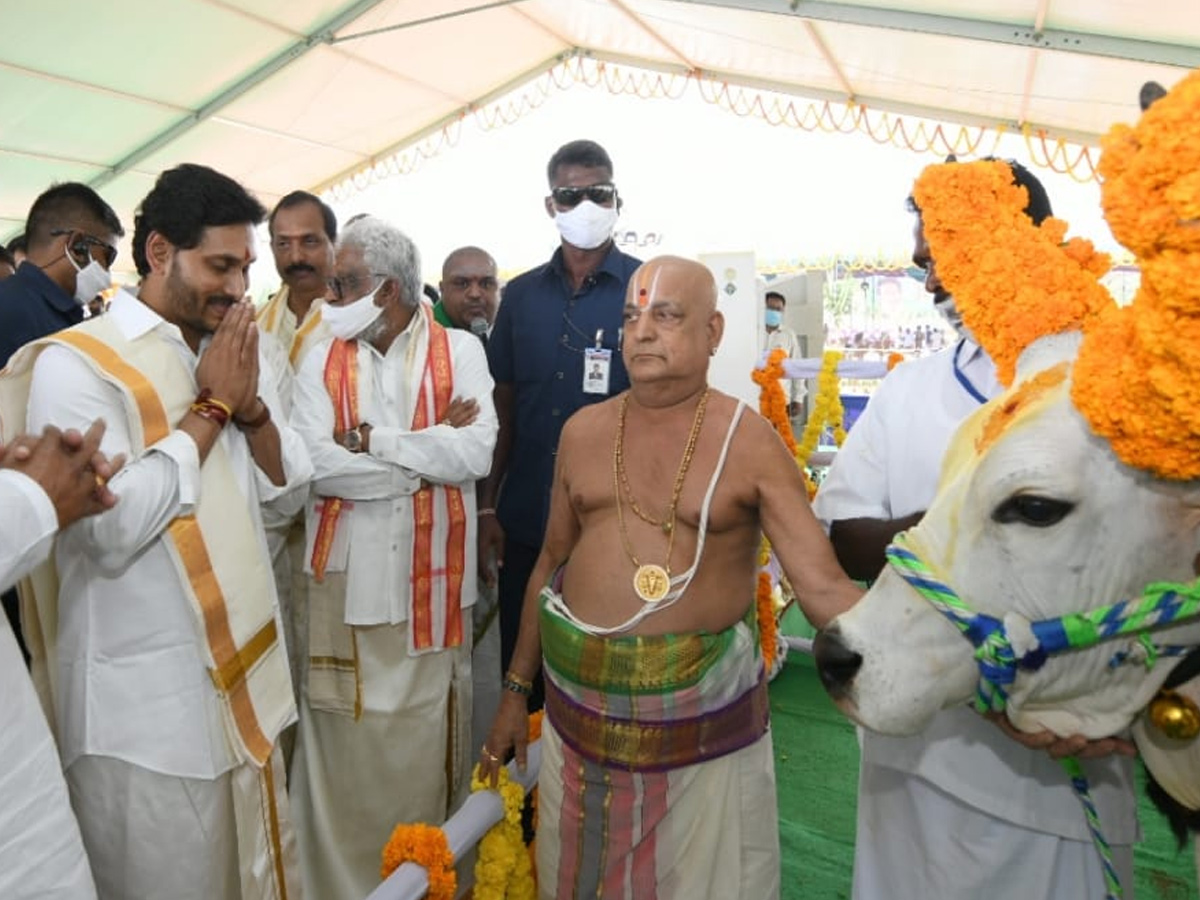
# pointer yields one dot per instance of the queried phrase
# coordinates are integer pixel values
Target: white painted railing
(464, 829)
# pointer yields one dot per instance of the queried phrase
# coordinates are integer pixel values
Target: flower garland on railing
(504, 867)
(503, 870)
(426, 846)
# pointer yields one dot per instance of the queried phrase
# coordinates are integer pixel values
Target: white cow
(1059, 498)
(1039, 520)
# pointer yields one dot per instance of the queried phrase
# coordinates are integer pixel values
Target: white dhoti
(916, 842)
(406, 759)
(41, 853)
(158, 836)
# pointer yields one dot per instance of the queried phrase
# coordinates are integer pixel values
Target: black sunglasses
(569, 197)
(86, 240)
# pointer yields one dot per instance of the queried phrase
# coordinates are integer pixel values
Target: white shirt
(132, 681)
(889, 468)
(374, 536)
(27, 527)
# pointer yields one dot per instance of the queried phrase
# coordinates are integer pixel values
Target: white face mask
(348, 321)
(953, 317)
(89, 281)
(588, 225)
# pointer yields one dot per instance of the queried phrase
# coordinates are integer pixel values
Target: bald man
(645, 588)
(469, 291)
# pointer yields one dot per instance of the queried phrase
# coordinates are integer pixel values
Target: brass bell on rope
(1175, 715)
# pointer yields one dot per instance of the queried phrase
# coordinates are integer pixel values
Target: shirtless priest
(657, 774)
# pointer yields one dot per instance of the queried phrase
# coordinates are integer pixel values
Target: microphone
(479, 328)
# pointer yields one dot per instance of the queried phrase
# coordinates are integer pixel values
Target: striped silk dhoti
(657, 778)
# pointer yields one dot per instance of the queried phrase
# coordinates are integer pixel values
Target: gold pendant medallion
(651, 582)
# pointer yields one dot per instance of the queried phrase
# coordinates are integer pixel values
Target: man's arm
(510, 727)
(799, 541)
(855, 497)
(860, 543)
(336, 471)
(445, 453)
(490, 537)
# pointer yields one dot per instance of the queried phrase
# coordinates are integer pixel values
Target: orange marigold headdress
(1013, 281)
(1134, 378)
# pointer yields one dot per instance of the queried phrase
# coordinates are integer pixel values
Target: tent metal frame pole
(1021, 35)
(324, 34)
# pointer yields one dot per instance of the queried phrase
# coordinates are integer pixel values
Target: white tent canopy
(285, 94)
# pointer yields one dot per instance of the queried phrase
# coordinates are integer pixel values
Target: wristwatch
(352, 438)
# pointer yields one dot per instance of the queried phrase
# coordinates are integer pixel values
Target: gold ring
(489, 754)
(100, 482)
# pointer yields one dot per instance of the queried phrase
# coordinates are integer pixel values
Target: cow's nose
(837, 664)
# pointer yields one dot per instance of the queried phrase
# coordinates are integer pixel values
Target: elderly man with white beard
(397, 414)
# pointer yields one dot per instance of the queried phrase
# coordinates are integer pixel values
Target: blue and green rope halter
(1161, 604)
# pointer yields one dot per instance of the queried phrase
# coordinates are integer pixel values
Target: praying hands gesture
(229, 366)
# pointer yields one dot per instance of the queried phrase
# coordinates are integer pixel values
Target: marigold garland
(426, 846)
(827, 409)
(1013, 281)
(503, 870)
(1135, 375)
(772, 403)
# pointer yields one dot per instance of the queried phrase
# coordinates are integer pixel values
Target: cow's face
(1034, 515)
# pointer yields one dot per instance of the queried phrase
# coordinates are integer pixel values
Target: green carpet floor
(816, 764)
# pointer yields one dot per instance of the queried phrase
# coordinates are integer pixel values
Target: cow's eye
(1030, 509)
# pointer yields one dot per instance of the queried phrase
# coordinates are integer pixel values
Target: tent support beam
(978, 29)
(324, 34)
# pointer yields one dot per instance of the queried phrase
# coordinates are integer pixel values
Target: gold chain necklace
(652, 582)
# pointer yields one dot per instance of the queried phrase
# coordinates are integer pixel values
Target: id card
(597, 363)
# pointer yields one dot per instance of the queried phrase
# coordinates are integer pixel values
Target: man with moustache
(168, 681)
(469, 291)
(657, 773)
(555, 323)
(303, 229)
(397, 414)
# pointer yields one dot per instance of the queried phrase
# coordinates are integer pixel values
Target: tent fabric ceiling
(285, 94)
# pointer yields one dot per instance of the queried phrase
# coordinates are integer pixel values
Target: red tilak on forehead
(647, 283)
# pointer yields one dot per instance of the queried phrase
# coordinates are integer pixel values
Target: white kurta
(133, 684)
(41, 853)
(153, 774)
(962, 780)
(375, 539)
(407, 757)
